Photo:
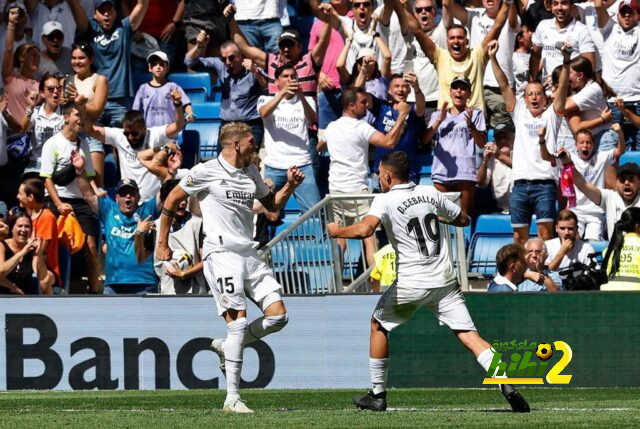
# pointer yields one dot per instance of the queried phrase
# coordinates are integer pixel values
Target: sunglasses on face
(230, 58)
(55, 36)
(364, 4)
(52, 88)
(427, 9)
(134, 134)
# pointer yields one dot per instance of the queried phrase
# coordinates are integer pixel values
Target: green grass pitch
(412, 408)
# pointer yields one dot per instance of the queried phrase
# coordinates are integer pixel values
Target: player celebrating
(411, 216)
(226, 188)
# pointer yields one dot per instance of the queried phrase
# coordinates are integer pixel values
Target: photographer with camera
(567, 251)
(622, 259)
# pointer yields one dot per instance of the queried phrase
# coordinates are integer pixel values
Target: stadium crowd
(525, 107)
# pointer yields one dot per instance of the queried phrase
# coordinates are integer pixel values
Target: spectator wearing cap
(68, 14)
(55, 59)
(259, 21)
(495, 168)
(111, 40)
(127, 222)
(134, 137)
(621, 62)
(552, 33)
(242, 82)
(456, 132)
(613, 202)
(458, 59)
(153, 98)
(287, 116)
(290, 51)
(61, 182)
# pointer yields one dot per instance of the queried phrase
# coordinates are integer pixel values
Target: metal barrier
(306, 261)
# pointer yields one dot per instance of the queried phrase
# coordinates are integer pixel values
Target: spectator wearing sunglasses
(55, 58)
(135, 137)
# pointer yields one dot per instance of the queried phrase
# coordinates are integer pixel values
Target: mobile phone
(560, 44)
(408, 67)
(65, 86)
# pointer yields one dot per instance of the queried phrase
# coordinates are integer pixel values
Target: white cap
(365, 52)
(158, 54)
(51, 26)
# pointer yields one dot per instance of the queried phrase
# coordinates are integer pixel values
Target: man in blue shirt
(125, 223)
(511, 267)
(538, 278)
(387, 114)
(241, 86)
(111, 43)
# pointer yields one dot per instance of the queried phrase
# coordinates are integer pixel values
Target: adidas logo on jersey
(223, 183)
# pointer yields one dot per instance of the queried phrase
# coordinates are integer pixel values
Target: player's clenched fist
(294, 176)
(163, 252)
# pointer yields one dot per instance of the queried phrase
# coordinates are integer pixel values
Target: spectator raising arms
(535, 180)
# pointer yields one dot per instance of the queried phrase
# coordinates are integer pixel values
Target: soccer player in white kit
(226, 188)
(411, 215)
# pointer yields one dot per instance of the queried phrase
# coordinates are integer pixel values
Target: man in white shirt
(479, 21)
(551, 33)
(347, 140)
(69, 14)
(534, 179)
(567, 250)
(286, 117)
(613, 202)
(495, 169)
(227, 188)
(135, 137)
(411, 216)
(621, 61)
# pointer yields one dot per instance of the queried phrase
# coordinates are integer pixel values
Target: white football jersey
(226, 196)
(409, 214)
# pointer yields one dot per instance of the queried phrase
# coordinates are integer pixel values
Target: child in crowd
(154, 100)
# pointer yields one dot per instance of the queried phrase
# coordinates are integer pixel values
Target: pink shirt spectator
(333, 51)
(17, 89)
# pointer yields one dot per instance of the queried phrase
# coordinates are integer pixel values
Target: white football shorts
(234, 277)
(398, 303)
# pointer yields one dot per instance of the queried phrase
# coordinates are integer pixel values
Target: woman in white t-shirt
(587, 107)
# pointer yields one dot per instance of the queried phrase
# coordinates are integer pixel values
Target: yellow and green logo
(523, 368)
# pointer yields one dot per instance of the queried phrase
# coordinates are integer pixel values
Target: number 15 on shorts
(225, 285)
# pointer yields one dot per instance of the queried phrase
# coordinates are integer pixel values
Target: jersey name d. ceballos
(226, 196)
(409, 214)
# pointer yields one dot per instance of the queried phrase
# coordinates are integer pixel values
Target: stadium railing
(305, 260)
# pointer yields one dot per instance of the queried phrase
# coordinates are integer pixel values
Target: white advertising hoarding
(162, 342)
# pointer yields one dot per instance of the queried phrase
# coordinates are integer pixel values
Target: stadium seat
(202, 134)
(111, 174)
(494, 224)
(633, 156)
(292, 205)
(140, 78)
(600, 247)
(196, 85)
(426, 180)
(482, 253)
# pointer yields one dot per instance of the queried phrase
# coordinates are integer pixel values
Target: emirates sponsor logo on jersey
(241, 197)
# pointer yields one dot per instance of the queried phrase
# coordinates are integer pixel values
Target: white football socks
(233, 348)
(378, 369)
(484, 359)
(264, 326)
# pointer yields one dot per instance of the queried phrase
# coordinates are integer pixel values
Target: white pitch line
(507, 410)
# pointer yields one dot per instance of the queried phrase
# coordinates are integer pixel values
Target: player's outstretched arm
(177, 195)
(274, 202)
(363, 229)
(461, 220)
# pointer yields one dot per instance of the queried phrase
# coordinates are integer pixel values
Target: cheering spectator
(26, 60)
(134, 137)
(259, 21)
(360, 27)
(621, 61)
(613, 202)
(622, 258)
(67, 14)
(495, 168)
(242, 83)
(457, 131)
(21, 34)
(511, 267)
(479, 21)
(592, 165)
(43, 121)
(205, 15)
(185, 235)
(348, 141)
(22, 260)
(55, 59)
(366, 72)
(128, 267)
(95, 88)
(307, 66)
(386, 115)
(153, 99)
(552, 33)
(521, 58)
(458, 59)
(111, 41)
(286, 117)
(537, 278)
(567, 250)
(61, 182)
(534, 180)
